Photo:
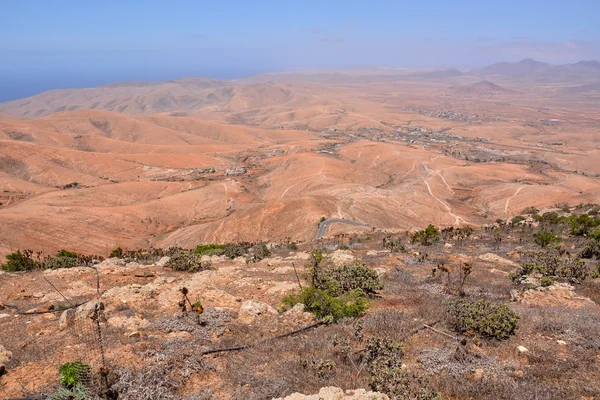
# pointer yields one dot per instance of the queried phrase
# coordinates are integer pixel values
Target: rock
(334, 393)
(448, 245)
(251, 309)
(478, 374)
(2, 316)
(522, 349)
(342, 257)
(163, 261)
(5, 355)
(111, 262)
(65, 320)
(494, 258)
(514, 295)
(135, 334)
(130, 324)
(144, 274)
(561, 342)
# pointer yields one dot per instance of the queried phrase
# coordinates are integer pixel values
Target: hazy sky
(48, 44)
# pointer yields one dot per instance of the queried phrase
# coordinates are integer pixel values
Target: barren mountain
(275, 158)
(129, 97)
(482, 87)
(536, 70)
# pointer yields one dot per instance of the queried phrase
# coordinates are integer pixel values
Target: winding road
(325, 224)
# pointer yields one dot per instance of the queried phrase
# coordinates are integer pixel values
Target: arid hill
(272, 159)
(482, 87)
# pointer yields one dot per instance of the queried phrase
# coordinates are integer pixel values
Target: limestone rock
(251, 309)
(5, 355)
(65, 320)
(341, 257)
(163, 261)
(131, 324)
(334, 393)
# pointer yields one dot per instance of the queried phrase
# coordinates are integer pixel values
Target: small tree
(427, 236)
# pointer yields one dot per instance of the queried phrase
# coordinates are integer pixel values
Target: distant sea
(16, 86)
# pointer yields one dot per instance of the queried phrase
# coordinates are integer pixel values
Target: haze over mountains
(139, 164)
(186, 95)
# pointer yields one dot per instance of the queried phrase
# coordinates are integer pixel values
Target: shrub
(384, 361)
(552, 263)
(546, 281)
(233, 250)
(18, 261)
(345, 279)
(545, 238)
(292, 246)
(209, 249)
(73, 373)
(66, 253)
(583, 224)
(259, 252)
(60, 262)
(530, 210)
(591, 250)
(186, 260)
(550, 218)
(518, 218)
(394, 245)
(427, 236)
(324, 305)
(482, 317)
(118, 253)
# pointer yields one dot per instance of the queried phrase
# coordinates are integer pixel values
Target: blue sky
(68, 43)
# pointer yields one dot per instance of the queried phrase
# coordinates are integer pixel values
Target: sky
(72, 43)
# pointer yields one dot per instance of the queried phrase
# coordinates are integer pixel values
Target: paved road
(325, 224)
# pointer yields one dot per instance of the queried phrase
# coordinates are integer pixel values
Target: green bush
(60, 262)
(209, 249)
(18, 261)
(66, 253)
(583, 224)
(292, 246)
(356, 277)
(427, 236)
(186, 260)
(545, 238)
(118, 253)
(518, 218)
(73, 373)
(546, 281)
(324, 305)
(482, 317)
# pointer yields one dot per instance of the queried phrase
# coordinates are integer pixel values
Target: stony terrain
(152, 347)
